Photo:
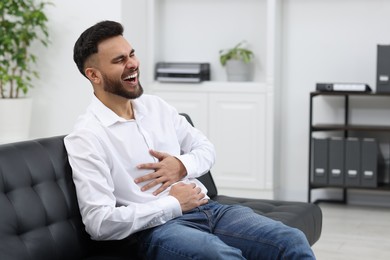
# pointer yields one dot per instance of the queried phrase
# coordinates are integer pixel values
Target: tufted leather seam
(56, 180)
(3, 181)
(59, 177)
(33, 185)
(18, 233)
(47, 222)
(6, 192)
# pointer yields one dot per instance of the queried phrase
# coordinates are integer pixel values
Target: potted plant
(238, 62)
(22, 23)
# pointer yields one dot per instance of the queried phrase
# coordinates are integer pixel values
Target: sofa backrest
(206, 179)
(39, 215)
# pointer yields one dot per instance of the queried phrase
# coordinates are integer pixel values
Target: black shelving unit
(345, 128)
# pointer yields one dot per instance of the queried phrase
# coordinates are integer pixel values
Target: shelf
(380, 187)
(212, 86)
(358, 106)
(340, 93)
(342, 127)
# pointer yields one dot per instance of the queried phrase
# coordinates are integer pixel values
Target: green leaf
(22, 22)
(237, 52)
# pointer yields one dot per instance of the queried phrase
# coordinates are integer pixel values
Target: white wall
(331, 41)
(62, 93)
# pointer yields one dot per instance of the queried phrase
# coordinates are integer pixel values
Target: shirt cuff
(171, 207)
(187, 161)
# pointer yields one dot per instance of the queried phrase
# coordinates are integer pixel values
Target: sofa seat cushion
(304, 216)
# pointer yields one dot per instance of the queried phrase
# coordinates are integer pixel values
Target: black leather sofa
(40, 219)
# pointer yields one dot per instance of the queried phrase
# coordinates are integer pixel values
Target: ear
(93, 75)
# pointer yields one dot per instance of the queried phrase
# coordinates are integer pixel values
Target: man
(135, 160)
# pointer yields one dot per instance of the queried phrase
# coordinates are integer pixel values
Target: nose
(132, 63)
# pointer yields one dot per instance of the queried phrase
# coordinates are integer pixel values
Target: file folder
(336, 161)
(320, 161)
(352, 162)
(382, 69)
(370, 161)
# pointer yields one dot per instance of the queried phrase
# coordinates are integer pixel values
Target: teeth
(131, 76)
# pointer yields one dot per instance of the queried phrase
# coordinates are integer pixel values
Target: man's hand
(188, 195)
(167, 171)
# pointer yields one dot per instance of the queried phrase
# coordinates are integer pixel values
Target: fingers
(156, 180)
(154, 166)
(149, 185)
(197, 191)
(203, 202)
(166, 172)
(159, 155)
(146, 177)
(163, 187)
(148, 166)
(189, 195)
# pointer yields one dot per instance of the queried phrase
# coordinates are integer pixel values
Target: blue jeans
(216, 231)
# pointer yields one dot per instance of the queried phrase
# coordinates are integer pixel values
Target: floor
(353, 232)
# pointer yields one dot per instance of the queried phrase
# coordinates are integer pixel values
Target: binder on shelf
(343, 87)
(352, 162)
(336, 161)
(383, 69)
(372, 162)
(320, 161)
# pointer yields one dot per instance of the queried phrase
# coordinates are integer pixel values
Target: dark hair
(87, 43)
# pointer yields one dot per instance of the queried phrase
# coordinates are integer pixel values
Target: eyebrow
(121, 56)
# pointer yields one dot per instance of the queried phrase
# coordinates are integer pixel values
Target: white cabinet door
(194, 104)
(237, 129)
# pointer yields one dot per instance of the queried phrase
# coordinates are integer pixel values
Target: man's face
(119, 68)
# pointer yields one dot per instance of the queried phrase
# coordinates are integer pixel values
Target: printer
(182, 72)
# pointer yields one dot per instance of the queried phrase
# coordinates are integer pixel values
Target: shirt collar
(139, 108)
(108, 117)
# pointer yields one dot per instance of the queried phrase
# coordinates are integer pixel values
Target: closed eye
(123, 58)
(132, 53)
(118, 59)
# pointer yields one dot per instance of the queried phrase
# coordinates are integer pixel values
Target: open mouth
(131, 77)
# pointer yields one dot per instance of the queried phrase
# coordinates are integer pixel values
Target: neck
(119, 105)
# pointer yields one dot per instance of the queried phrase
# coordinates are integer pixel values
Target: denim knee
(297, 237)
(297, 246)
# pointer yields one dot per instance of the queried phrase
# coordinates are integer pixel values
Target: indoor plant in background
(22, 23)
(238, 62)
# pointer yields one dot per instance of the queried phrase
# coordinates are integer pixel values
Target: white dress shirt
(104, 151)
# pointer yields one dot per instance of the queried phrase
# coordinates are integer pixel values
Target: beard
(116, 87)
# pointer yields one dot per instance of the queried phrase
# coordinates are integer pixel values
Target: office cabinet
(237, 118)
(346, 155)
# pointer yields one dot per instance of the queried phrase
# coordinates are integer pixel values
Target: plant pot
(15, 117)
(238, 70)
